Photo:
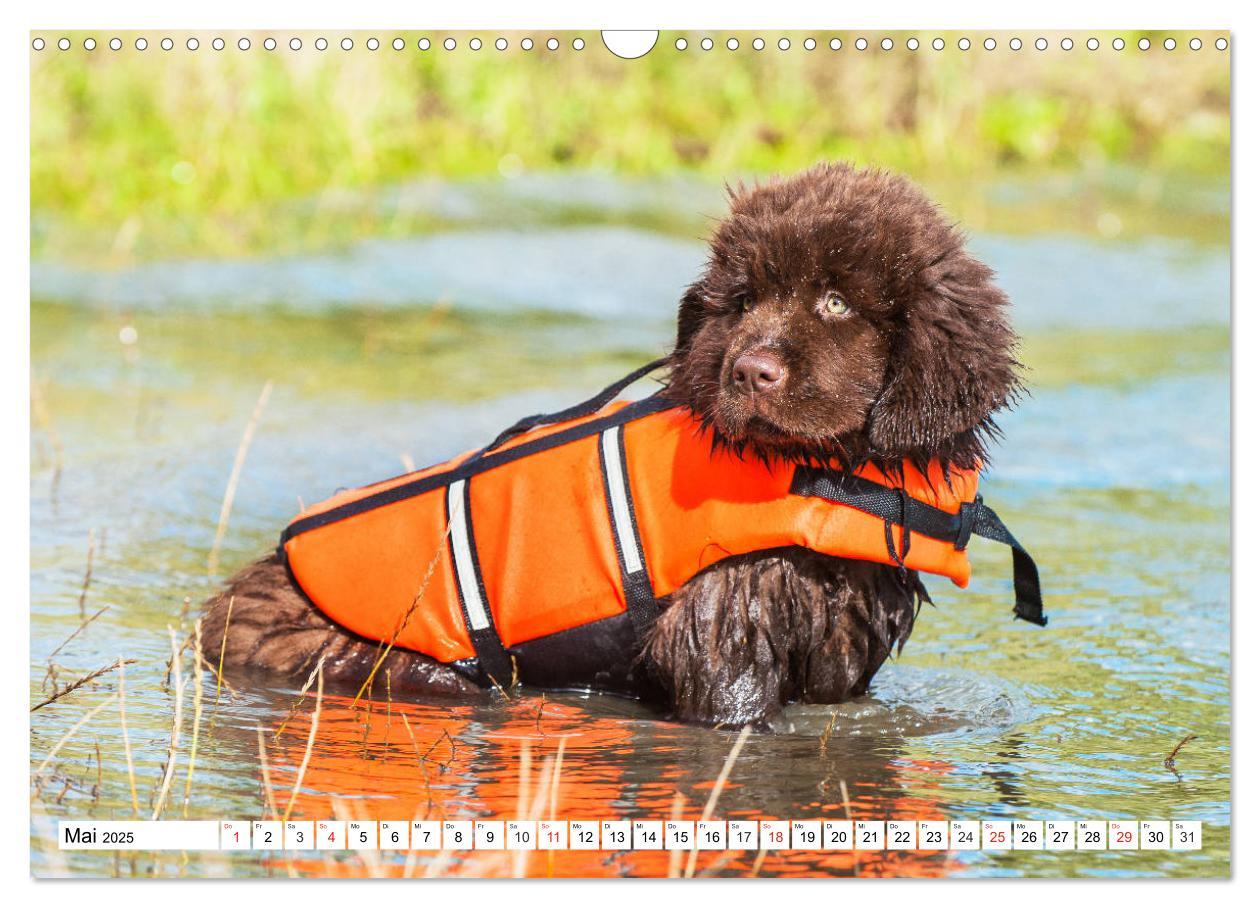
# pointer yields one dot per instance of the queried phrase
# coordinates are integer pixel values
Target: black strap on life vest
(585, 408)
(492, 659)
(897, 508)
(641, 604)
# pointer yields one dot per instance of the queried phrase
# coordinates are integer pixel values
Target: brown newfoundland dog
(839, 317)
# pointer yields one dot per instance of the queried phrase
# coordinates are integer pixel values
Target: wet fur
(915, 369)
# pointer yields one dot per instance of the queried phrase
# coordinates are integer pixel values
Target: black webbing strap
(641, 605)
(895, 507)
(585, 408)
(1027, 582)
(493, 658)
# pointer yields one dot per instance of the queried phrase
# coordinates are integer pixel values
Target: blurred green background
(142, 154)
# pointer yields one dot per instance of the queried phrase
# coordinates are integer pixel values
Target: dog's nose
(757, 372)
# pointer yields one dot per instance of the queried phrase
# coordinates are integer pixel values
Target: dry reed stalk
(826, 735)
(168, 773)
(1170, 761)
(269, 794)
(409, 864)
(721, 861)
(96, 789)
(524, 764)
(78, 630)
(711, 804)
(848, 815)
(178, 653)
(532, 799)
(301, 698)
(675, 854)
(367, 726)
(122, 721)
(760, 859)
(437, 867)
(196, 732)
(87, 575)
(70, 734)
(86, 679)
(212, 563)
(547, 776)
(227, 621)
(519, 863)
(389, 706)
(422, 763)
(370, 858)
(310, 740)
(555, 794)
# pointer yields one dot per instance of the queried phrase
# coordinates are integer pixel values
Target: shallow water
(1114, 472)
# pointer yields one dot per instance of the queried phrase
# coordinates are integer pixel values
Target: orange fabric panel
(697, 506)
(545, 542)
(365, 572)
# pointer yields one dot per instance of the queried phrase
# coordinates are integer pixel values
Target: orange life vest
(600, 511)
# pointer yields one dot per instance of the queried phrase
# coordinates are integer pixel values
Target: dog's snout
(757, 372)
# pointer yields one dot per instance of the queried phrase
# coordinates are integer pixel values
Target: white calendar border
(574, 14)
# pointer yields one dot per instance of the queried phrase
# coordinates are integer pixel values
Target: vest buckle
(967, 521)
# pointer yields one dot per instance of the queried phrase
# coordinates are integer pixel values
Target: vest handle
(585, 408)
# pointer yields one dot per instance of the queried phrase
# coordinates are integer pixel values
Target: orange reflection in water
(537, 759)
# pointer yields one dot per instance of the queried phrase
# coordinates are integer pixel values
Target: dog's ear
(690, 315)
(951, 367)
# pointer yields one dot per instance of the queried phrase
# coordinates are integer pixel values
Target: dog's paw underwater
(751, 535)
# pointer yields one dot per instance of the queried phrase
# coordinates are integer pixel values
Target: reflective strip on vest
(461, 551)
(619, 501)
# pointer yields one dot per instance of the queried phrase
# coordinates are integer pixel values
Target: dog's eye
(745, 304)
(834, 304)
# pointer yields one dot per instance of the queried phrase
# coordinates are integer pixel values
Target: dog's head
(839, 315)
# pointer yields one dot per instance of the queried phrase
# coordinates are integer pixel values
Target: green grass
(138, 154)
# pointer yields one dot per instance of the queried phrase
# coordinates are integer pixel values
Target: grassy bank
(192, 151)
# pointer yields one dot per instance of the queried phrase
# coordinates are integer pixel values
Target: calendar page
(711, 453)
